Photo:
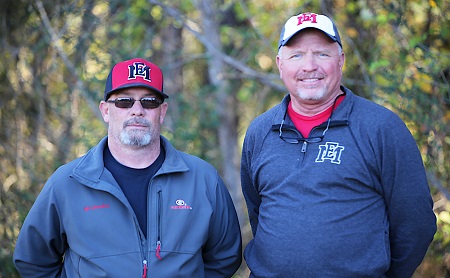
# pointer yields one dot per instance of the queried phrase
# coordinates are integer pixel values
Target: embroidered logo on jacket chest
(180, 204)
(330, 151)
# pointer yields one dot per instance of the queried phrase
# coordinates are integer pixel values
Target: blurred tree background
(218, 58)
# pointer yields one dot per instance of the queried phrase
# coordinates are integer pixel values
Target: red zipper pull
(145, 269)
(158, 249)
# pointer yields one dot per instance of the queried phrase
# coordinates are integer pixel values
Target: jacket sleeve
(41, 243)
(249, 189)
(408, 199)
(222, 253)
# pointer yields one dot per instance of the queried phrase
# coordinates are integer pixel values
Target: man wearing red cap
(334, 184)
(133, 206)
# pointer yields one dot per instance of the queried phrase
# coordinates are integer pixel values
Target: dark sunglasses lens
(149, 103)
(124, 102)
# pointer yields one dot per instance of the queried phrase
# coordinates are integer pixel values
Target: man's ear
(164, 107)
(342, 60)
(104, 109)
(280, 66)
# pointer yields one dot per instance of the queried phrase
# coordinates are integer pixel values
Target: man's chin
(311, 94)
(136, 141)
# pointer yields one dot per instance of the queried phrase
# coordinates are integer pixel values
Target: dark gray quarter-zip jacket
(81, 224)
(355, 204)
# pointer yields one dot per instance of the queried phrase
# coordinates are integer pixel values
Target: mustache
(137, 121)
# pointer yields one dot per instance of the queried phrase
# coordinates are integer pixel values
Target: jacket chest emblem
(331, 152)
(180, 204)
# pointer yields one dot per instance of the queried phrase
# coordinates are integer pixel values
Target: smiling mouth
(310, 79)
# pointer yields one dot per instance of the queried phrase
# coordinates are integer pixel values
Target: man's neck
(135, 157)
(312, 107)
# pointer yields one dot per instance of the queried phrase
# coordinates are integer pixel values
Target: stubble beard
(137, 138)
(311, 95)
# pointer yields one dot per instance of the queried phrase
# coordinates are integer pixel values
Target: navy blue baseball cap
(302, 21)
(136, 72)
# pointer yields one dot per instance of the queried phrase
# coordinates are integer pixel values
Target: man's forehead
(136, 90)
(307, 34)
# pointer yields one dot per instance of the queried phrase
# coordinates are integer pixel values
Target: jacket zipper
(158, 236)
(144, 261)
(304, 147)
(144, 275)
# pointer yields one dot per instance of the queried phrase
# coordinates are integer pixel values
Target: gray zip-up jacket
(351, 202)
(81, 224)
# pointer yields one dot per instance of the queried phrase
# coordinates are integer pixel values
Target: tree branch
(268, 79)
(56, 44)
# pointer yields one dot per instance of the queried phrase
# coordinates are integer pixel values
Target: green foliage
(52, 78)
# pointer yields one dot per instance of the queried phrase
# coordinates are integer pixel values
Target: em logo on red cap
(136, 72)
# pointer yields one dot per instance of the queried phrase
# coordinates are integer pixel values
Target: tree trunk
(225, 105)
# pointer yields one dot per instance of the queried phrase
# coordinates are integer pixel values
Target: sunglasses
(128, 102)
(292, 135)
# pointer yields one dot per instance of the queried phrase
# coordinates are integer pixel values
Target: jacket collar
(91, 168)
(340, 115)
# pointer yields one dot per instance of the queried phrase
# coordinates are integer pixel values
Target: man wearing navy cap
(334, 184)
(133, 206)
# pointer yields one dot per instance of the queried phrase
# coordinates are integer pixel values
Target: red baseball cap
(136, 72)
